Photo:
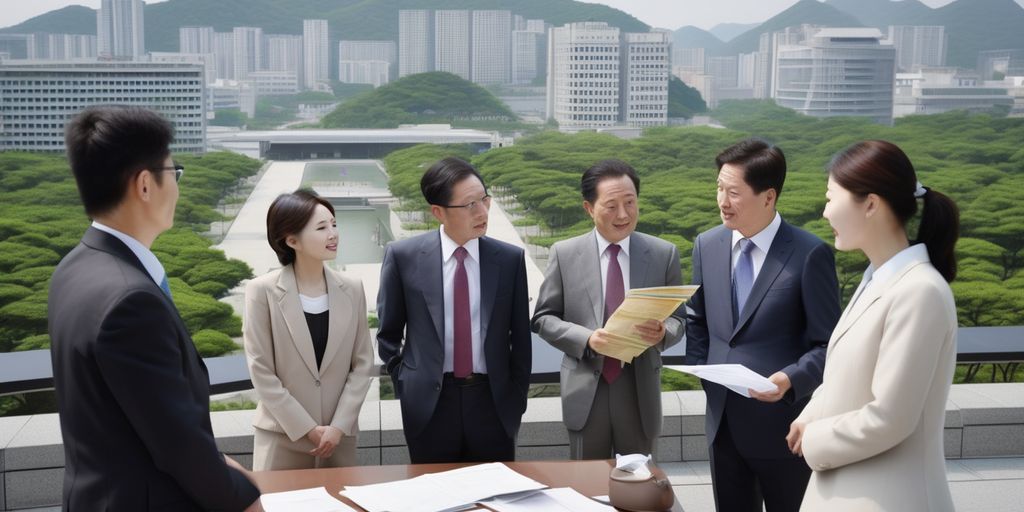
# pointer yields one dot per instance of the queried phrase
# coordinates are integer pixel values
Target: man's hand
(328, 439)
(599, 340)
(255, 506)
(651, 331)
(779, 379)
(796, 437)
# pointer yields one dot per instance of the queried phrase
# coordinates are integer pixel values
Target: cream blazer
(874, 434)
(294, 395)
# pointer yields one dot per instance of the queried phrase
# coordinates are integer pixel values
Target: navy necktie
(743, 275)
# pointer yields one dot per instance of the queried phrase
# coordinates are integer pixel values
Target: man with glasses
(459, 301)
(132, 392)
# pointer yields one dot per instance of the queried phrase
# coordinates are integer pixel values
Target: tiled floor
(978, 485)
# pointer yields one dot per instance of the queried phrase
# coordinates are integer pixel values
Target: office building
(372, 72)
(583, 76)
(231, 95)
(315, 52)
(918, 46)
(724, 70)
(248, 54)
(451, 42)
(224, 53)
(15, 46)
(998, 64)
(120, 29)
(196, 40)
(746, 65)
(38, 97)
(688, 60)
(528, 54)
(206, 60)
(938, 90)
(491, 47)
(274, 83)
(838, 72)
(415, 42)
(367, 50)
(42, 46)
(645, 69)
(284, 53)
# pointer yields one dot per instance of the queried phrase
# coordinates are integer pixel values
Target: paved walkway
(978, 485)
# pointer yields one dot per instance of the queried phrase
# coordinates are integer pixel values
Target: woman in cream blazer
(873, 431)
(307, 343)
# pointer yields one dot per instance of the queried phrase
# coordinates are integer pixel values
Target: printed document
(639, 306)
(307, 500)
(736, 377)
(563, 499)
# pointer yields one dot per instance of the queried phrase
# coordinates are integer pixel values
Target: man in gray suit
(769, 300)
(455, 326)
(608, 406)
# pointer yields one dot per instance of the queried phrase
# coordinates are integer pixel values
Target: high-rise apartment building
(918, 46)
(367, 50)
(365, 62)
(196, 40)
(583, 76)
(15, 46)
(43, 46)
(451, 42)
(645, 69)
(415, 42)
(34, 119)
(120, 29)
(284, 53)
(491, 47)
(838, 72)
(315, 52)
(528, 52)
(688, 60)
(224, 53)
(248, 55)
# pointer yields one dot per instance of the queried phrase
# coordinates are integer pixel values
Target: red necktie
(462, 329)
(614, 293)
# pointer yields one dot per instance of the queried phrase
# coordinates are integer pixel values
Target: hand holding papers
(641, 305)
(736, 377)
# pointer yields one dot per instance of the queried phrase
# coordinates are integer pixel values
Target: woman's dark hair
(108, 145)
(881, 168)
(763, 163)
(288, 214)
(606, 169)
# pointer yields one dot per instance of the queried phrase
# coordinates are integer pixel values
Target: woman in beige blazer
(307, 343)
(873, 431)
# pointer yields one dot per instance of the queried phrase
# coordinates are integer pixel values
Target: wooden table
(588, 477)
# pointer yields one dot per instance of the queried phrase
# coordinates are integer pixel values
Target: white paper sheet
(736, 377)
(449, 490)
(306, 500)
(563, 499)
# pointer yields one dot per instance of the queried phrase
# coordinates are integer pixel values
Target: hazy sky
(659, 13)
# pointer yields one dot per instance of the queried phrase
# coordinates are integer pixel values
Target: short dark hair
(108, 145)
(882, 168)
(288, 214)
(439, 181)
(606, 169)
(763, 163)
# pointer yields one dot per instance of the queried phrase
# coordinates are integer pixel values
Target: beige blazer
(294, 395)
(874, 435)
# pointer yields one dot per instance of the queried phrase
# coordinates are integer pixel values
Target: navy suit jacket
(410, 307)
(786, 324)
(132, 392)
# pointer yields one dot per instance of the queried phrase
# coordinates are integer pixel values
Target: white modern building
(224, 52)
(43, 46)
(415, 42)
(231, 95)
(207, 61)
(918, 46)
(367, 50)
(583, 76)
(529, 54)
(248, 54)
(838, 72)
(274, 83)
(645, 71)
(372, 72)
(451, 42)
(120, 29)
(688, 60)
(38, 97)
(315, 52)
(998, 64)
(284, 53)
(491, 47)
(196, 39)
(937, 90)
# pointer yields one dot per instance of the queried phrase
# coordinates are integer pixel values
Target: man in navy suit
(454, 326)
(132, 392)
(769, 299)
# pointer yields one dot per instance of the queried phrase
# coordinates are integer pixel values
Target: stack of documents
(563, 499)
(306, 500)
(449, 490)
(639, 306)
(736, 377)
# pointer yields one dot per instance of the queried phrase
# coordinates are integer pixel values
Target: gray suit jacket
(790, 313)
(570, 308)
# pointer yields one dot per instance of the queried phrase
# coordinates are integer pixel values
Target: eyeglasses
(484, 201)
(178, 171)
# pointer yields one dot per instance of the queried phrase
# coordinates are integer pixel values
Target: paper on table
(455, 489)
(736, 377)
(307, 500)
(563, 499)
(640, 305)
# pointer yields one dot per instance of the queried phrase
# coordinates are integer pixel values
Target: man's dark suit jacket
(410, 305)
(790, 313)
(132, 392)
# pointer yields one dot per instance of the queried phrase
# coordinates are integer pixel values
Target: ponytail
(939, 231)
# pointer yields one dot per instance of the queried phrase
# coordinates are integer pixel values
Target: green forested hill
(435, 97)
(976, 159)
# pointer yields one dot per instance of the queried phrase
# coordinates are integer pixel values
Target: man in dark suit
(459, 300)
(769, 300)
(132, 392)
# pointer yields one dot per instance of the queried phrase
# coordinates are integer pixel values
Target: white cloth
(145, 256)
(762, 243)
(314, 305)
(879, 276)
(604, 258)
(448, 265)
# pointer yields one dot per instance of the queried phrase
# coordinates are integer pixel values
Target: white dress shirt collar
(448, 247)
(146, 257)
(602, 244)
(916, 252)
(763, 239)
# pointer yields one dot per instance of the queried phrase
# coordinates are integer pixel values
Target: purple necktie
(614, 293)
(463, 327)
